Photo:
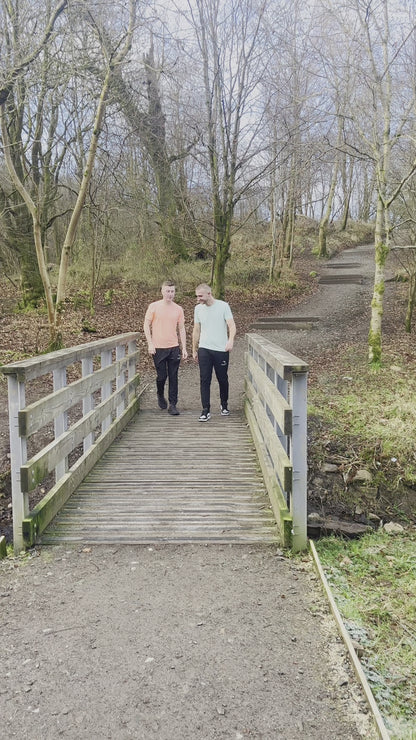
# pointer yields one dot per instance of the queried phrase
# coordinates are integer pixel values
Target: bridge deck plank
(171, 479)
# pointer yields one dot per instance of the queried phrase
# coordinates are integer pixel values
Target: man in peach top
(163, 321)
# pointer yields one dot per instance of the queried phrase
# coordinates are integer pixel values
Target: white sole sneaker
(205, 417)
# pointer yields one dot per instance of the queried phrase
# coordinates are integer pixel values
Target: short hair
(203, 286)
(168, 284)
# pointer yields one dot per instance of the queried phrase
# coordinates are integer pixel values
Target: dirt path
(184, 642)
(172, 642)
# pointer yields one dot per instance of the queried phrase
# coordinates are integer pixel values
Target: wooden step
(269, 323)
(344, 278)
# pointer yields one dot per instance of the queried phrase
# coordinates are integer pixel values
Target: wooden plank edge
(168, 540)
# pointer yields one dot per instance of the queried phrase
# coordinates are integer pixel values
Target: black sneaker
(172, 410)
(162, 402)
(205, 416)
(224, 411)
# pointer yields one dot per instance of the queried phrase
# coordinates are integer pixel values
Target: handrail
(276, 410)
(88, 406)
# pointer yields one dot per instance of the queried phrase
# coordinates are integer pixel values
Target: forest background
(237, 142)
(137, 136)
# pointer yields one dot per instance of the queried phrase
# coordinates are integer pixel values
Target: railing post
(132, 346)
(87, 365)
(18, 457)
(61, 421)
(120, 353)
(106, 360)
(299, 460)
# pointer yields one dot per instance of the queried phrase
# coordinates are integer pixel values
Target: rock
(373, 517)
(363, 476)
(358, 648)
(331, 525)
(343, 680)
(393, 528)
(314, 518)
(329, 468)
(318, 482)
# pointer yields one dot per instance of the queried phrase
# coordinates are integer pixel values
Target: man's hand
(151, 349)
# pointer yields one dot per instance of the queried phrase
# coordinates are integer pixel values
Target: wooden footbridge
(88, 466)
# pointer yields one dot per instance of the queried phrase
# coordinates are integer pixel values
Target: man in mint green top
(212, 340)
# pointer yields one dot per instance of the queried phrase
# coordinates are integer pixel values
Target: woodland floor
(193, 642)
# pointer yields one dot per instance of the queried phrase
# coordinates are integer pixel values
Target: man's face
(202, 295)
(168, 292)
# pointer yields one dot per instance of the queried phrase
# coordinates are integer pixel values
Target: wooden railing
(90, 396)
(276, 409)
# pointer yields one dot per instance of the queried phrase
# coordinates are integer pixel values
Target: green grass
(373, 581)
(372, 409)
(365, 416)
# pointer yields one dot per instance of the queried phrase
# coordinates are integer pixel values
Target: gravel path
(187, 642)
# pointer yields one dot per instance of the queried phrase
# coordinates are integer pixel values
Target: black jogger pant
(167, 363)
(208, 360)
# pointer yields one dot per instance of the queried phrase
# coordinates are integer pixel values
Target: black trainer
(224, 411)
(162, 402)
(172, 410)
(205, 415)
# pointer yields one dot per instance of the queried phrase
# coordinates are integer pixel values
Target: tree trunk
(151, 129)
(220, 260)
(321, 249)
(346, 178)
(381, 252)
(30, 279)
(289, 224)
(411, 299)
(276, 255)
(223, 221)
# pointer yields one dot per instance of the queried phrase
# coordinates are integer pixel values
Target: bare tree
(380, 112)
(112, 59)
(294, 95)
(19, 55)
(231, 43)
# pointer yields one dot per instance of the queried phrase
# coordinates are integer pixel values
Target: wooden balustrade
(276, 409)
(92, 397)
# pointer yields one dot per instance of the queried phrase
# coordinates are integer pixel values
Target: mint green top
(213, 320)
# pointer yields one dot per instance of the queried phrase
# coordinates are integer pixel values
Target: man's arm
(196, 333)
(147, 328)
(231, 334)
(182, 336)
